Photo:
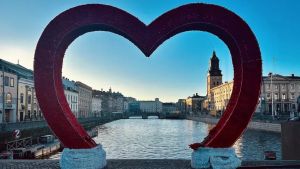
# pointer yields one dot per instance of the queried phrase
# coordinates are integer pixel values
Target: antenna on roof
(18, 61)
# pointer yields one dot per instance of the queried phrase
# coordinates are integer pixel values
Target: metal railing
(21, 143)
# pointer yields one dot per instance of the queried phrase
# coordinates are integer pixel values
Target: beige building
(28, 108)
(285, 91)
(151, 106)
(18, 82)
(84, 99)
(220, 96)
(215, 87)
(8, 96)
(110, 101)
(194, 104)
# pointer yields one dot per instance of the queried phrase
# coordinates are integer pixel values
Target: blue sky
(177, 69)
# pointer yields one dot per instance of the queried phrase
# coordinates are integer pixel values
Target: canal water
(169, 139)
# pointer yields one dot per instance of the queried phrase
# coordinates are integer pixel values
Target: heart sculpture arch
(69, 25)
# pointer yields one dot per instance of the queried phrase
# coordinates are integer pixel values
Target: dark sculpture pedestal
(290, 143)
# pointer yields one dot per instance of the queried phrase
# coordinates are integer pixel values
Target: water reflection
(169, 139)
(253, 144)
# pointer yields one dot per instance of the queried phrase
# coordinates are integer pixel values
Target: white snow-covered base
(93, 158)
(216, 158)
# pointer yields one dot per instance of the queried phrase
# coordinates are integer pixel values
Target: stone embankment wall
(255, 125)
(35, 129)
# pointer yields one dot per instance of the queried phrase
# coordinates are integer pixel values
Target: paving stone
(141, 164)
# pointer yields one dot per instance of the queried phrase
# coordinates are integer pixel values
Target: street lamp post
(272, 97)
(262, 104)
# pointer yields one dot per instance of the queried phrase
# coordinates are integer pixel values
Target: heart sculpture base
(83, 158)
(215, 158)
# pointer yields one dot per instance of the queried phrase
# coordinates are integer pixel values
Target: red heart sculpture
(69, 25)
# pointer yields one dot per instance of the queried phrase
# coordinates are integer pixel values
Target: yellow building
(220, 97)
(218, 93)
(194, 104)
(285, 91)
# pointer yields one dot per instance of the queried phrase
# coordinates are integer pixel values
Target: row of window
(72, 98)
(221, 92)
(10, 82)
(283, 86)
(73, 107)
(283, 96)
(216, 83)
(22, 98)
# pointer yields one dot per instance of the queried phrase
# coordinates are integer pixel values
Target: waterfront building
(280, 95)
(285, 91)
(220, 96)
(111, 101)
(107, 100)
(181, 105)
(125, 105)
(96, 106)
(72, 95)
(9, 80)
(134, 108)
(151, 106)
(194, 104)
(127, 102)
(8, 97)
(169, 108)
(84, 99)
(118, 103)
(28, 107)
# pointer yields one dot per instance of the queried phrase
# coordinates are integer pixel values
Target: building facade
(181, 105)
(72, 99)
(285, 91)
(118, 104)
(151, 106)
(8, 97)
(280, 95)
(28, 107)
(111, 101)
(169, 108)
(9, 80)
(134, 108)
(96, 106)
(127, 102)
(220, 96)
(84, 100)
(194, 104)
(72, 95)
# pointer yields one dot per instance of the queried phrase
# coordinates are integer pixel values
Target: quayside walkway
(141, 164)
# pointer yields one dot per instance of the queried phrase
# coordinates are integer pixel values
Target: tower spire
(214, 54)
(214, 76)
(214, 69)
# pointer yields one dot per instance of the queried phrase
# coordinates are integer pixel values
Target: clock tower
(214, 76)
